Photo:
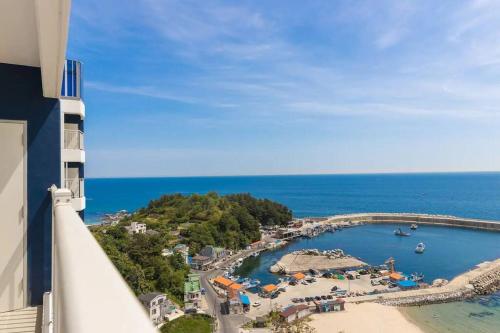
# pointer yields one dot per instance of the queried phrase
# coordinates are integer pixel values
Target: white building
(136, 228)
(157, 305)
(53, 273)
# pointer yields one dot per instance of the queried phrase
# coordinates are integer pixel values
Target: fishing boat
(417, 277)
(400, 232)
(414, 226)
(420, 248)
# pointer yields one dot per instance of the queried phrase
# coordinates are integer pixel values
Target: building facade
(51, 267)
(136, 228)
(192, 292)
(157, 306)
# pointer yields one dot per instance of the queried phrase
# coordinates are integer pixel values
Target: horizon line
(388, 173)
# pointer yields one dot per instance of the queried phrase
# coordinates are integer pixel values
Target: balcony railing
(76, 187)
(73, 139)
(88, 293)
(72, 80)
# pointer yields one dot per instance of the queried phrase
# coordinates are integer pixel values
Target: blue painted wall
(21, 99)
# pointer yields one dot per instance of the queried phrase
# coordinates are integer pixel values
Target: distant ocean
(474, 195)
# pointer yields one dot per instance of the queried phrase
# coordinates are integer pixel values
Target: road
(226, 323)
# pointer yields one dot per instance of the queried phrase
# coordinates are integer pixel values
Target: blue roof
(244, 299)
(407, 284)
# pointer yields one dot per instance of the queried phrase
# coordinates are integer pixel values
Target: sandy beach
(362, 318)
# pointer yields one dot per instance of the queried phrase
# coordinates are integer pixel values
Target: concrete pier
(483, 279)
(410, 218)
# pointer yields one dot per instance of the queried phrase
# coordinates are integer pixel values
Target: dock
(483, 279)
(411, 218)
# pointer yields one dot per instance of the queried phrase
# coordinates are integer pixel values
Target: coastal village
(310, 281)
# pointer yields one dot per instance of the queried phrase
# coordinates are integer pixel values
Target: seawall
(411, 218)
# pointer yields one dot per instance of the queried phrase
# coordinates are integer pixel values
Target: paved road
(226, 323)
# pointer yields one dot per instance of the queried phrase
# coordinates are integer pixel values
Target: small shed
(298, 276)
(269, 289)
(407, 284)
(294, 312)
(396, 277)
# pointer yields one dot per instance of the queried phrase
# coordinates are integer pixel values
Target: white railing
(88, 293)
(73, 139)
(75, 185)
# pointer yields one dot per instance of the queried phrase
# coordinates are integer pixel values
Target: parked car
(323, 298)
(329, 296)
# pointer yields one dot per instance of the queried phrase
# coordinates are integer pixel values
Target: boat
(400, 232)
(414, 226)
(417, 277)
(420, 248)
(256, 254)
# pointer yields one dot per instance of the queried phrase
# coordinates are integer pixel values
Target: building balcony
(72, 80)
(73, 150)
(71, 90)
(76, 187)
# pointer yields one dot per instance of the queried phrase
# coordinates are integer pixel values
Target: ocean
(474, 195)
(449, 251)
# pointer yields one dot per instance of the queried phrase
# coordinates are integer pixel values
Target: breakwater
(483, 279)
(410, 218)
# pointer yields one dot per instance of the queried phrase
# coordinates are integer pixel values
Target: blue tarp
(244, 299)
(407, 284)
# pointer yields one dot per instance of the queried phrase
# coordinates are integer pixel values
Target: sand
(362, 318)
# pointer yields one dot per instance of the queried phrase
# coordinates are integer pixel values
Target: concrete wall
(421, 219)
(21, 99)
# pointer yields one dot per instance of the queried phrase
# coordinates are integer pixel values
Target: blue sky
(188, 88)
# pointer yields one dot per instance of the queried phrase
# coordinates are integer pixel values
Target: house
(167, 253)
(183, 250)
(212, 252)
(268, 290)
(192, 292)
(329, 305)
(294, 312)
(157, 306)
(234, 305)
(201, 263)
(222, 282)
(234, 289)
(136, 228)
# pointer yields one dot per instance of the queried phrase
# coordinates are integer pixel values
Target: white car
(256, 304)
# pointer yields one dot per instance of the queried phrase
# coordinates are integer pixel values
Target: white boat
(414, 226)
(420, 248)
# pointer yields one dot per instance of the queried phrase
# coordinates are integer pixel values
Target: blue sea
(474, 195)
(449, 251)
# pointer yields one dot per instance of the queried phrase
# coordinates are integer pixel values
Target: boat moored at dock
(399, 232)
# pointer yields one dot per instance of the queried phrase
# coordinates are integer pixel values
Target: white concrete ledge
(72, 106)
(88, 293)
(78, 204)
(73, 155)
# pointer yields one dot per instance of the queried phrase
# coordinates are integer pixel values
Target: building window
(154, 311)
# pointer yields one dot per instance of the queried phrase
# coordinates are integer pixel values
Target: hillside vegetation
(230, 221)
